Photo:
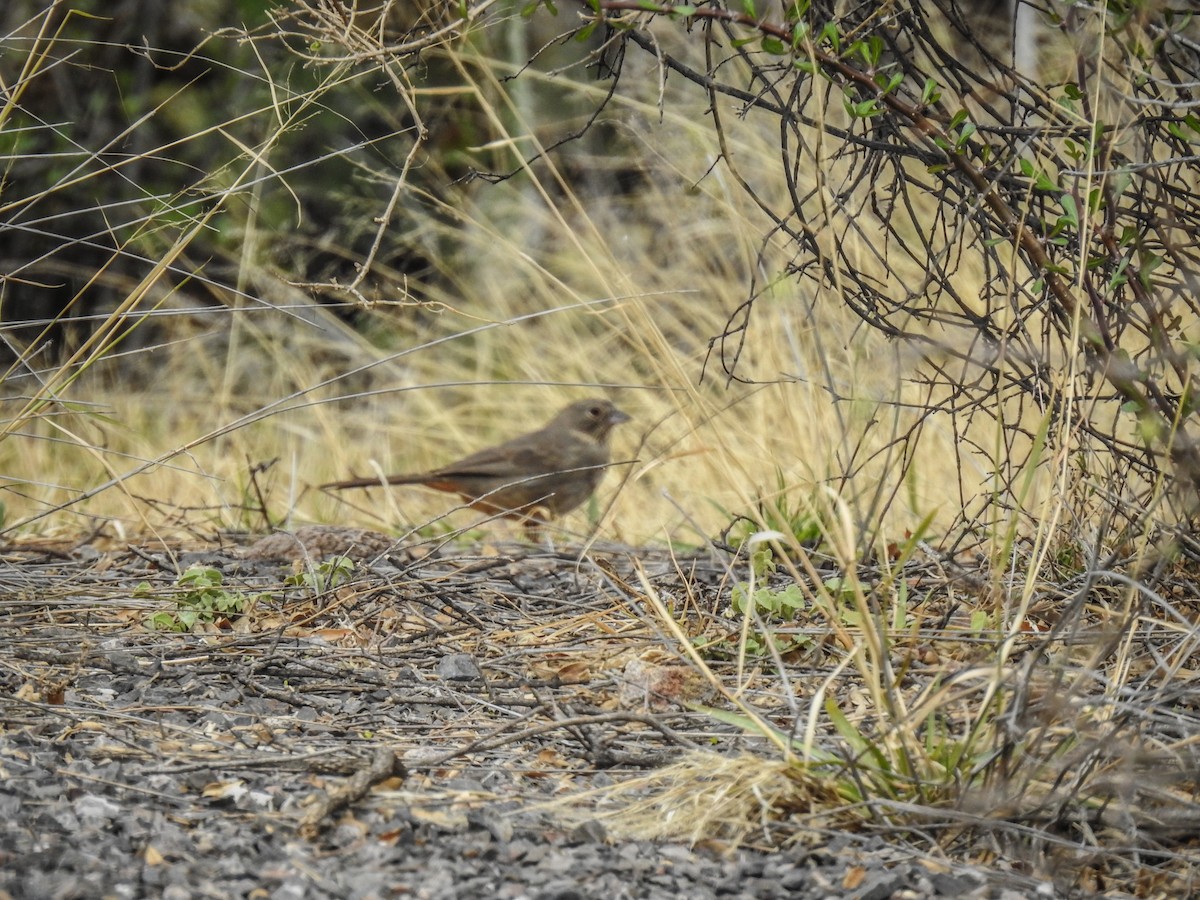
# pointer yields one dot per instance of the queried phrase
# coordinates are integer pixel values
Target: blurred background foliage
(133, 119)
(230, 240)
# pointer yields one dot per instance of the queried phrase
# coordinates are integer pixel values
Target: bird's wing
(518, 458)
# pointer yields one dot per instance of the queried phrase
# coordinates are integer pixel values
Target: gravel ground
(387, 736)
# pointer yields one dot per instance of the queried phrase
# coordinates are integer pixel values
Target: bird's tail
(374, 482)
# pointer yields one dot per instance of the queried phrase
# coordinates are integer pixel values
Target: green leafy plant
(767, 601)
(202, 598)
(766, 606)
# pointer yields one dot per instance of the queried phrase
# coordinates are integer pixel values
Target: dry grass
(543, 296)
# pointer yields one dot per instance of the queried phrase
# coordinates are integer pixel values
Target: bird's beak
(616, 417)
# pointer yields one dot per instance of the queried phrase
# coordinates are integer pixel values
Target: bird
(533, 477)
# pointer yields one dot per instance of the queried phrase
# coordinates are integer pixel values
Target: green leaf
(839, 586)
(831, 34)
(1146, 266)
(201, 577)
(888, 83)
(162, 622)
(850, 734)
(964, 135)
(1131, 406)
(980, 621)
(796, 9)
(1070, 211)
(864, 109)
(930, 92)
(774, 46)
(870, 49)
(1043, 183)
(852, 618)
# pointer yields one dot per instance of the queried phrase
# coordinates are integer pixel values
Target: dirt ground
(431, 723)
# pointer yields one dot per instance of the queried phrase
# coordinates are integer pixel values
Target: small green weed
(766, 601)
(202, 598)
(767, 604)
(325, 576)
(777, 513)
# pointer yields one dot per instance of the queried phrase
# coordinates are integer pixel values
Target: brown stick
(384, 764)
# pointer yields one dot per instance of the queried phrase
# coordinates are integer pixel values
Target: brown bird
(534, 477)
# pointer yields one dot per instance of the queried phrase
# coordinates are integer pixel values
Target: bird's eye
(595, 412)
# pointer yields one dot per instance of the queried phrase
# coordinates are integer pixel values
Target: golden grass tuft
(739, 800)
